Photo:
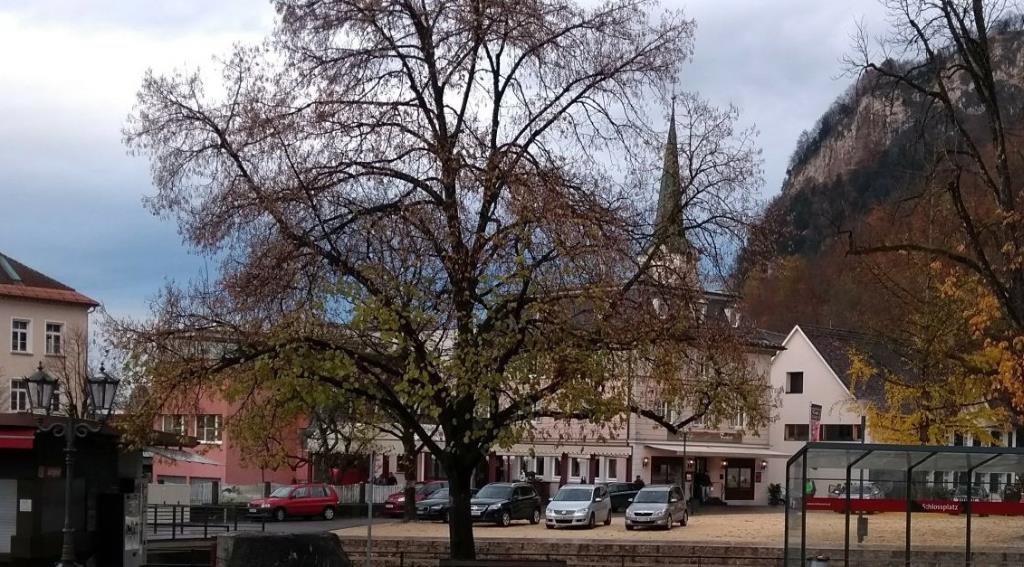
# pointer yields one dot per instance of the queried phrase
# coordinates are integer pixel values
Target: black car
(621, 493)
(503, 502)
(434, 507)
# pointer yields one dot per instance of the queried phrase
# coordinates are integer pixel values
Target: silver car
(660, 506)
(579, 505)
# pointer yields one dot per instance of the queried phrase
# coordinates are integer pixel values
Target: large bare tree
(438, 207)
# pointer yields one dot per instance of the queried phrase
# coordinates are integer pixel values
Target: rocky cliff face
(855, 143)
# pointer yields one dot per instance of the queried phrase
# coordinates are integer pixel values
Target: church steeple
(668, 222)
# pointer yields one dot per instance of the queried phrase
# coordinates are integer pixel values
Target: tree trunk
(409, 471)
(460, 522)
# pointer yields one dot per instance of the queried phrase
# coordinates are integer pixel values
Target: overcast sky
(71, 198)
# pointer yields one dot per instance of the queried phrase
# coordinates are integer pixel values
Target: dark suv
(503, 502)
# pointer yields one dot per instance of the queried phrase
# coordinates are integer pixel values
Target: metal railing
(184, 521)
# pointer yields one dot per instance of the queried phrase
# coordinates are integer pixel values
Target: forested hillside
(858, 170)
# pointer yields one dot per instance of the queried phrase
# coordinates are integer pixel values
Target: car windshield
(651, 496)
(495, 491)
(427, 489)
(281, 492)
(441, 494)
(574, 495)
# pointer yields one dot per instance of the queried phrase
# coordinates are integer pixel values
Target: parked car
(579, 505)
(660, 506)
(395, 504)
(978, 493)
(434, 507)
(620, 493)
(865, 491)
(504, 502)
(308, 500)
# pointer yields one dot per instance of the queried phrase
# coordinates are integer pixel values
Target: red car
(309, 500)
(395, 504)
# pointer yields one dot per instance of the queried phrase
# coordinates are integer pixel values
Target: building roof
(21, 281)
(837, 347)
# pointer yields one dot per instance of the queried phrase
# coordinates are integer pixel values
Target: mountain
(872, 149)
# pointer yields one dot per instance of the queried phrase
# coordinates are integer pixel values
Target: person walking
(639, 482)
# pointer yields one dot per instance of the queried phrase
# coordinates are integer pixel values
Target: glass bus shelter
(906, 500)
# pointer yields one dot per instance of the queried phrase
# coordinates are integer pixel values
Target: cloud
(72, 199)
(71, 196)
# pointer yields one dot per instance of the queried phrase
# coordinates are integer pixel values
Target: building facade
(217, 460)
(46, 322)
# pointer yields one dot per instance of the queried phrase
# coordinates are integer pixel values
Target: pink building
(216, 458)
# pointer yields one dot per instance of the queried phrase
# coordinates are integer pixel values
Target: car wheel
(685, 520)
(608, 518)
(280, 515)
(329, 513)
(591, 522)
(505, 519)
(535, 518)
(668, 526)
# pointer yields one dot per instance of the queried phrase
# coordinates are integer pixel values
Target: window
(54, 338)
(173, 424)
(840, 432)
(538, 466)
(738, 421)
(319, 492)
(19, 335)
(208, 428)
(556, 467)
(993, 482)
(300, 493)
(19, 395)
(958, 440)
(794, 382)
(797, 431)
(612, 469)
(574, 467)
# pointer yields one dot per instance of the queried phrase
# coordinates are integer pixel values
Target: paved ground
(759, 527)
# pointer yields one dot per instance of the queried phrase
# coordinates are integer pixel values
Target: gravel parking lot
(757, 527)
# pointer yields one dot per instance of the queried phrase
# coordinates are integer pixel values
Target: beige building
(44, 322)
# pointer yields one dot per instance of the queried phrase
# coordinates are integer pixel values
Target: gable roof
(21, 281)
(836, 347)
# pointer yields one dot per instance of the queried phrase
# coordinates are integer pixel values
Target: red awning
(17, 438)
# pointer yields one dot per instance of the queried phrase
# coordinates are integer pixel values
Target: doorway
(739, 479)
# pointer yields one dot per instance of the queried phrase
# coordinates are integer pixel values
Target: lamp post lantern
(100, 391)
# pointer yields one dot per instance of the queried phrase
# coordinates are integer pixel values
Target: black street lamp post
(100, 391)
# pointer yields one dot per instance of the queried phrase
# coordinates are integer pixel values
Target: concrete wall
(417, 552)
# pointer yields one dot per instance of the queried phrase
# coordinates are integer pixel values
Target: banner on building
(815, 425)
